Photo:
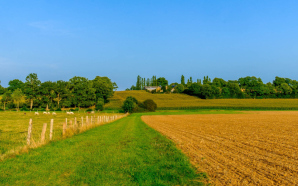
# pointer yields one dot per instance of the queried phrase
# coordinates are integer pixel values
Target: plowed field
(254, 148)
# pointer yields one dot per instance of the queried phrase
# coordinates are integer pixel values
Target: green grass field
(14, 127)
(183, 101)
(125, 152)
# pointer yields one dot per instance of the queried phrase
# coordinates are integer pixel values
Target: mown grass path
(125, 152)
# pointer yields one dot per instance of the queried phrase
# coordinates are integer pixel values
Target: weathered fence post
(66, 121)
(87, 121)
(64, 129)
(29, 132)
(97, 119)
(75, 122)
(43, 133)
(51, 129)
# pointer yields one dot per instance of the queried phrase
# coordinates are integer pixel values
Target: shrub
(89, 110)
(150, 105)
(58, 109)
(130, 104)
(24, 108)
(132, 99)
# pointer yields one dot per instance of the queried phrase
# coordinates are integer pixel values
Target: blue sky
(167, 38)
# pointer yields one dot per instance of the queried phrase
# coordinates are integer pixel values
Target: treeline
(77, 92)
(245, 87)
(142, 82)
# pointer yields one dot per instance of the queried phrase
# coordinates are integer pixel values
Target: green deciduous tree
(285, 89)
(31, 87)
(6, 98)
(15, 84)
(162, 81)
(206, 91)
(82, 92)
(18, 97)
(104, 88)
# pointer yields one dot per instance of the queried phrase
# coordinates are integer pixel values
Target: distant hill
(183, 101)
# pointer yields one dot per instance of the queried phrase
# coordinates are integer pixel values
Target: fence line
(71, 129)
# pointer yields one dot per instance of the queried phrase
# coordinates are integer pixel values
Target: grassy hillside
(125, 152)
(182, 101)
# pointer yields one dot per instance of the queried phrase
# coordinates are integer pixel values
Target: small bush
(150, 105)
(129, 105)
(58, 109)
(89, 110)
(132, 99)
(24, 109)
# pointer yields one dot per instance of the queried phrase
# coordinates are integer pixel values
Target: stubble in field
(254, 148)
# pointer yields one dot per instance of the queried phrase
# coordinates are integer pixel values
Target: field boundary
(227, 108)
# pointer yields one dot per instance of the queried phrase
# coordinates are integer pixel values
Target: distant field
(253, 148)
(183, 101)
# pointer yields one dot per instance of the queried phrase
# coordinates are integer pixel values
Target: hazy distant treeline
(77, 92)
(245, 87)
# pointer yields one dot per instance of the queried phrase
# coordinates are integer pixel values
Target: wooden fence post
(43, 133)
(97, 119)
(51, 129)
(64, 129)
(87, 121)
(29, 132)
(66, 121)
(75, 122)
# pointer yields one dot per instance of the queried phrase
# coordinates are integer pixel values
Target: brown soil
(254, 148)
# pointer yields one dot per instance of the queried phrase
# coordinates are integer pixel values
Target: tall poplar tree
(182, 80)
(148, 82)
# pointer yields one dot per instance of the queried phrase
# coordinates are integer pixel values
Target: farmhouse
(151, 88)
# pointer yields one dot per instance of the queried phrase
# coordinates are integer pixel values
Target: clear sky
(122, 39)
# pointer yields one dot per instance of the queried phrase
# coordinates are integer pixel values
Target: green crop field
(124, 152)
(183, 101)
(14, 127)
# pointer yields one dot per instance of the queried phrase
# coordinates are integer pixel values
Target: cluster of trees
(142, 82)
(245, 87)
(131, 104)
(77, 92)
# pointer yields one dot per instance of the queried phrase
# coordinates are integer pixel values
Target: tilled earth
(253, 148)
